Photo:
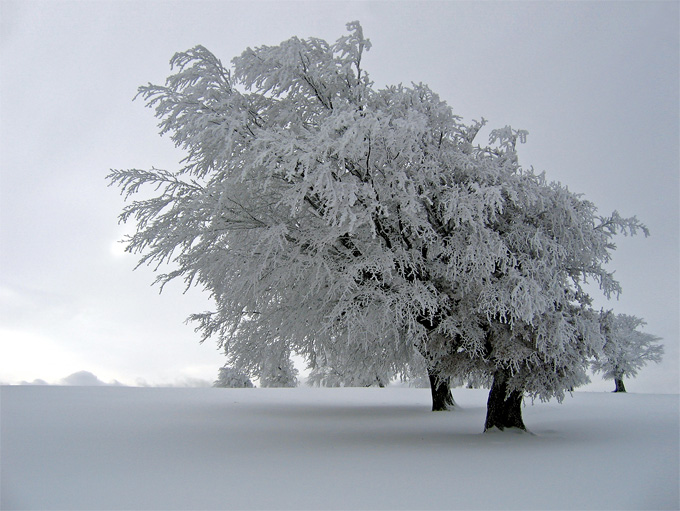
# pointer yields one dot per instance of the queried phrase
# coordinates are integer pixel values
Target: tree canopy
(366, 226)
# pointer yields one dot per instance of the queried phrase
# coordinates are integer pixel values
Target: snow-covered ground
(305, 448)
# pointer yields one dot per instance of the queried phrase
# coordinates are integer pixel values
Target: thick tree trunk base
(502, 412)
(442, 399)
(620, 387)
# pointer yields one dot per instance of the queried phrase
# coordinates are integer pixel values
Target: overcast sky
(594, 83)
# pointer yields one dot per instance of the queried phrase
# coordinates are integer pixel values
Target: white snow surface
(345, 448)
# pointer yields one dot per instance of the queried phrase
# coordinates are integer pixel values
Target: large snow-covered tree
(626, 349)
(365, 227)
(541, 331)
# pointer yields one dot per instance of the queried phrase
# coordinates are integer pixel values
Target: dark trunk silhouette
(503, 410)
(620, 387)
(442, 399)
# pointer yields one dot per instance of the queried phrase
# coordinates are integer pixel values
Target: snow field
(348, 448)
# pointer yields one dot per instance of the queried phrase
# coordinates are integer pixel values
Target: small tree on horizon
(626, 349)
(230, 377)
(341, 367)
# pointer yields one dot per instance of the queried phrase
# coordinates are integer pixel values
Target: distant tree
(276, 369)
(230, 377)
(363, 228)
(343, 368)
(626, 349)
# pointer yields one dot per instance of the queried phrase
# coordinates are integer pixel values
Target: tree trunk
(620, 387)
(442, 399)
(503, 410)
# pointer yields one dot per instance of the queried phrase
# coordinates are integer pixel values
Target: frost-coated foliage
(350, 366)
(230, 377)
(626, 348)
(276, 369)
(364, 228)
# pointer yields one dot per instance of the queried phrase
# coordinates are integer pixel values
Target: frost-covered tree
(342, 368)
(365, 227)
(542, 331)
(293, 205)
(230, 377)
(626, 349)
(276, 369)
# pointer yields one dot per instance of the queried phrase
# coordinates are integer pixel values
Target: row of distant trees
(367, 231)
(626, 350)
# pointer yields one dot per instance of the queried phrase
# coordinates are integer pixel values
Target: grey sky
(594, 83)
